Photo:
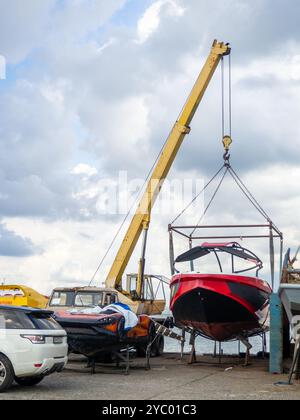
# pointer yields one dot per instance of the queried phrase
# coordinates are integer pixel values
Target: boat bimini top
(232, 248)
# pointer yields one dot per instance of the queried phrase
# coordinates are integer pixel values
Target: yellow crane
(139, 293)
(141, 220)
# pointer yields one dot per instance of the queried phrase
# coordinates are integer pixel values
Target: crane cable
(229, 97)
(227, 140)
(212, 198)
(197, 196)
(228, 170)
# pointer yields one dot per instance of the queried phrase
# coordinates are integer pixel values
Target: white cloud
(284, 67)
(84, 169)
(150, 21)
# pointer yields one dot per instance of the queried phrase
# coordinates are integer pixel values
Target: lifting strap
(224, 171)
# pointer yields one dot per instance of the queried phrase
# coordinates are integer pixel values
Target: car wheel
(30, 381)
(6, 374)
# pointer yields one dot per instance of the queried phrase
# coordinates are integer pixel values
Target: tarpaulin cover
(131, 320)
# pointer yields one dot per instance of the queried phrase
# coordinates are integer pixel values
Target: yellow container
(16, 295)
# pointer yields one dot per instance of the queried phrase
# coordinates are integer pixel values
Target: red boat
(221, 307)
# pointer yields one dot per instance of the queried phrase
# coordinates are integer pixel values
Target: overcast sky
(93, 87)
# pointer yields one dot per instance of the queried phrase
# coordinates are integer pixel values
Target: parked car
(32, 346)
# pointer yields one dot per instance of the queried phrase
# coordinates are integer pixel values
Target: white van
(32, 346)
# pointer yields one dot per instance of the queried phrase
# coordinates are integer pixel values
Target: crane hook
(226, 157)
(227, 141)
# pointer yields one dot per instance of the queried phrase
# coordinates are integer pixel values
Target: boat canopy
(232, 248)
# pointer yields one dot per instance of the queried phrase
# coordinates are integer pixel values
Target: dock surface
(168, 379)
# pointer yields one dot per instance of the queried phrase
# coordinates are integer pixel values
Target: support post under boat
(182, 343)
(193, 358)
(248, 346)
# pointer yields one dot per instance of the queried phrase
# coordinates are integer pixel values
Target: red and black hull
(220, 307)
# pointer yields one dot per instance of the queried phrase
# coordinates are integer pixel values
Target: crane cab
(153, 298)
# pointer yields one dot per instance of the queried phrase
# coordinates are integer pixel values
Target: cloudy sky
(93, 87)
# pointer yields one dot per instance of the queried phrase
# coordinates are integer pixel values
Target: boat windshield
(233, 249)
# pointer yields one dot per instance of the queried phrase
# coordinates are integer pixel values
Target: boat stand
(295, 369)
(264, 345)
(193, 357)
(122, 356)
(248, 346)
(216, 353)
(182, 344)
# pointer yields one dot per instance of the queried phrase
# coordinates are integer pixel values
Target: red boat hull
(218, 306)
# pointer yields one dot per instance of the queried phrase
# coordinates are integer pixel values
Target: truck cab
(81, 298)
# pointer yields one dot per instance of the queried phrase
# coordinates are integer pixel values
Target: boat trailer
(124, 355)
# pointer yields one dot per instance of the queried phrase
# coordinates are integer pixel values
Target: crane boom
(181, 128)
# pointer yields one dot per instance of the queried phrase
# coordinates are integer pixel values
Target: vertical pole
(215, 350)
(127, 360)
(276, 335)
(272, 256)
(281, 260)
(140, 282)
(264, 345)
(220, 353)
(182, 344)
(192, 262)
(171, 251)
(192, 358)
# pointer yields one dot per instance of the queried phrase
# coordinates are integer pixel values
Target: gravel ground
(169, 378)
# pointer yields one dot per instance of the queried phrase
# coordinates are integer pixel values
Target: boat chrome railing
(196, 233)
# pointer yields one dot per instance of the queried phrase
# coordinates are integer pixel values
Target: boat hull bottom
(216, 316)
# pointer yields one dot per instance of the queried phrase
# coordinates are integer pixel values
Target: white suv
(32, 346)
